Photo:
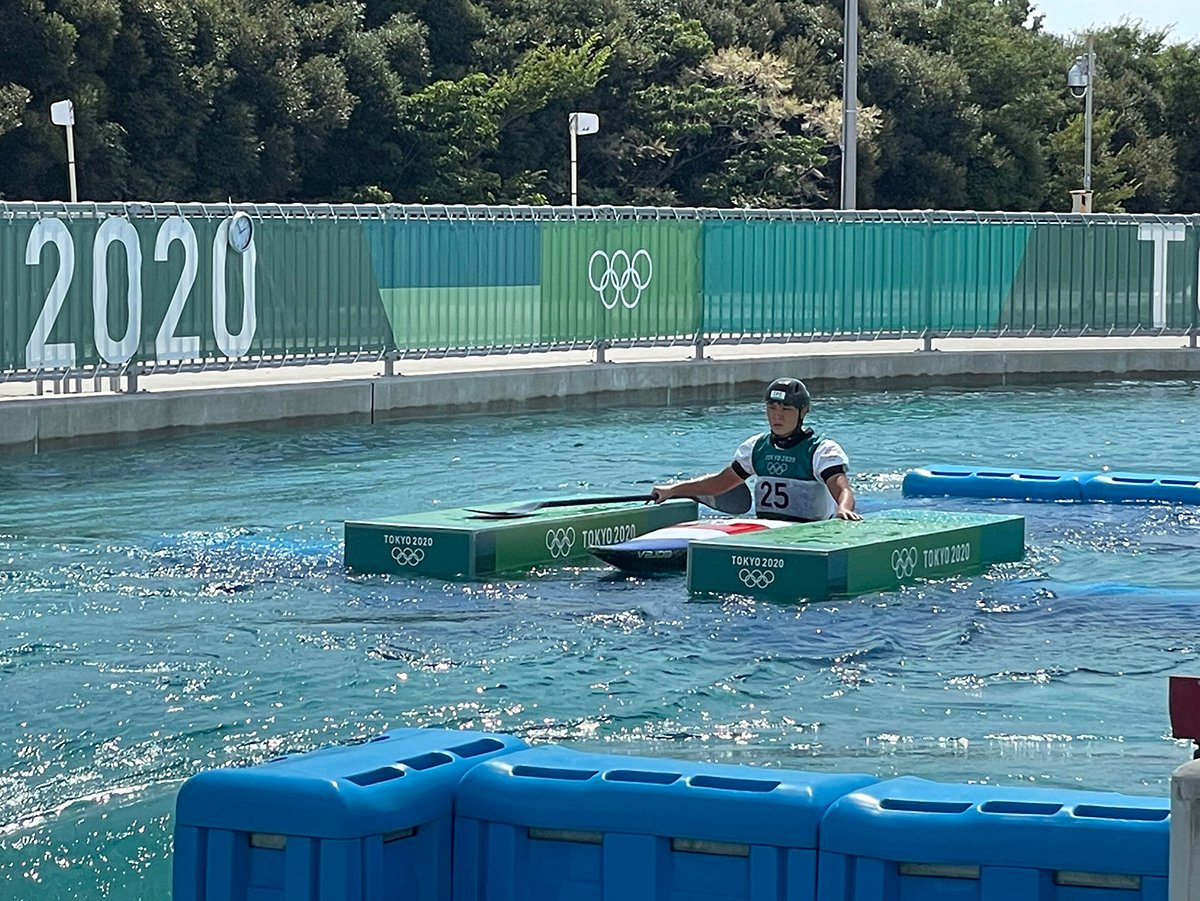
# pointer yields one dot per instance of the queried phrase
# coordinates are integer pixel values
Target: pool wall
(32, 423)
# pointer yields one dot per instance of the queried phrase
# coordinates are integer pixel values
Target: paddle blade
(735, 501)
(530, 508)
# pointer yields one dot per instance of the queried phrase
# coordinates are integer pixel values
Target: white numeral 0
(113, 352)
(231, 345)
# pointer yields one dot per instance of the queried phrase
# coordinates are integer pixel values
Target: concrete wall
(35, 423)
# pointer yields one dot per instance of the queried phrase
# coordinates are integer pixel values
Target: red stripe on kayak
(729, 528)
(736, 528)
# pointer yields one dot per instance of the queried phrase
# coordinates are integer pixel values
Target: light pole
(62, 112)
(850, 107)
(579, 124)
(1081, 83)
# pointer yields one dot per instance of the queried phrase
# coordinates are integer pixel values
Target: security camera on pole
(1080, 83)
(63, 113)
(579, 124)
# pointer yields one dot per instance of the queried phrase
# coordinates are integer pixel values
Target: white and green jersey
(791, 480)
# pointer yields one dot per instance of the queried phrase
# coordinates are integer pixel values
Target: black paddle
(735, 501)
(533, 506)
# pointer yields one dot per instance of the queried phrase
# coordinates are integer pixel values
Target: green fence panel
(968, 272)
(459, 284)
(47, 293)
(620, 279)
(156, 284)
(1080, 276)
(114, 290)
(1183, 282)
(317, 289)
(780, 277)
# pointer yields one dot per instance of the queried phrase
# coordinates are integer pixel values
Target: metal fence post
(1183, 875)
(927, 287)
(131, 377)
(389, 363)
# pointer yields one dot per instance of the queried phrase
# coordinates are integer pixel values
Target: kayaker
(800, 475)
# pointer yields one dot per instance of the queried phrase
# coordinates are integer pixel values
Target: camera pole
(1087, 117)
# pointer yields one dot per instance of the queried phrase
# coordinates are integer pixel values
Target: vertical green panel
(313, 291)
(772, 277)
(620, 279)
(1183, 274)
(27, 287)
(1081, 275)
(971, 266)
(853, 277)
(14, 286)
(316, 288)
(457, 284)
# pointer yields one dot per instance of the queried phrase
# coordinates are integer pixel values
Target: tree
(1110, 185)
(702, 102)
(454, 128)
(1179, 77)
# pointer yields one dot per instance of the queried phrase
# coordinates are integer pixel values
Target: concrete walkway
(359, 392)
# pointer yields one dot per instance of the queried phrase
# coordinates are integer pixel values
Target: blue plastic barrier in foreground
(426, 815)
(909, 838)
(1050, 485)
(368, 821)
(551, 823)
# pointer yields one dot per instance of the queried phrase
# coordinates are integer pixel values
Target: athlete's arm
(709, 485)
(838, 484)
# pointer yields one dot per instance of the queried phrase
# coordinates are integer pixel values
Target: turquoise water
(180, 604)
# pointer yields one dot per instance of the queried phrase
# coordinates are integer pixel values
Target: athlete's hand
(661, 493)
(850, 515)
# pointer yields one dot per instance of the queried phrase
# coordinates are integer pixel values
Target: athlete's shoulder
(829, 450)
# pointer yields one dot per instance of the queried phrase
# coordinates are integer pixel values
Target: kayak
(665, 550)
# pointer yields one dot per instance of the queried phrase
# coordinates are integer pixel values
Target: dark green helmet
(790, 393)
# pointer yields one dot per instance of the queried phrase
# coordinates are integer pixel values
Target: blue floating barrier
(911, 838)
(995, 482)
(1125, 487)
(340, 824)
(551, 823)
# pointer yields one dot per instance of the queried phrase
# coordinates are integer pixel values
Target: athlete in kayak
(800, 476)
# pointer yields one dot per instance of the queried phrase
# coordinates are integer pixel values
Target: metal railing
(96, 291)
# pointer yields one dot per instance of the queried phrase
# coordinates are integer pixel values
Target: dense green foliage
(702, 103)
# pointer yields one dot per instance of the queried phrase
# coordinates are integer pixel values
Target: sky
(1066, 17)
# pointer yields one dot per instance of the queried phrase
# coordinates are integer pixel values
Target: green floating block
(454, 544)
(819, 560)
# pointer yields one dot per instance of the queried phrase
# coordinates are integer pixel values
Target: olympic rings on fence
(408, 556)
(618, 273)
(904, 561)
(756, 578)
(560, 541)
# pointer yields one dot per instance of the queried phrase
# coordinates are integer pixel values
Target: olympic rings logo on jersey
(560, 541)
(756, 578)
(619, 273)
(904, 561)
(776, 468)
(408, 556)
